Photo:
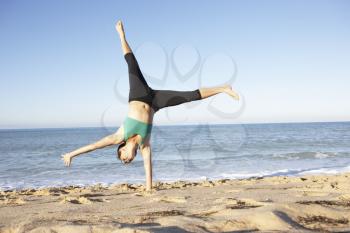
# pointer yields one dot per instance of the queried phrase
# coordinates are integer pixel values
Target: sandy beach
(309, 203)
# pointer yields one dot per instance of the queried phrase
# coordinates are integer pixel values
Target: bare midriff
(140, 111)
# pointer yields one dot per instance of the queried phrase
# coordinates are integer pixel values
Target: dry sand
(314, 203)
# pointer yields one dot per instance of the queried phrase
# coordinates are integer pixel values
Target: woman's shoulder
(120, 131)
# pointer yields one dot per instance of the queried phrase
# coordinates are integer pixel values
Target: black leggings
(157, 99)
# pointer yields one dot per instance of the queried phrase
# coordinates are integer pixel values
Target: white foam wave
(305, 155)
(287, 172)
(327, 171)
(320, 155)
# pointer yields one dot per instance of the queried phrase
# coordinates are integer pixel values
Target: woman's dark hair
(119, 147)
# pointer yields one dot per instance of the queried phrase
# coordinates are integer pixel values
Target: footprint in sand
(243, 203)
(233, 191)
(227, 204)
(142, 194)
(171, 199)
(233, 203)
(224, 200)
(80, 200)
(151, 216)
(312, 194)
(344, 197)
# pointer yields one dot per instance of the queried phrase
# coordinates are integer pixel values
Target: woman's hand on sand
(67, 159)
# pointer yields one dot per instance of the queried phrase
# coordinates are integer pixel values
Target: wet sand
(313, 203)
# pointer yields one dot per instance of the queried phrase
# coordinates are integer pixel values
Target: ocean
(31, 158)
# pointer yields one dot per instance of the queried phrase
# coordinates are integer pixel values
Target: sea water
(31, 158)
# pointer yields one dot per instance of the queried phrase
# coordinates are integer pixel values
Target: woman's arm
(147, 162)
(112, 139)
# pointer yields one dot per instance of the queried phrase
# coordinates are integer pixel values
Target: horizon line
(247, 123)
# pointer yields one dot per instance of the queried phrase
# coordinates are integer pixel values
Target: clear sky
(61, 64)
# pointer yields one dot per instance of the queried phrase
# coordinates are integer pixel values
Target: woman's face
(127, 153)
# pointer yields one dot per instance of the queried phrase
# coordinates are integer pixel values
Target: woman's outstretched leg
(167, 98)
(207, 92)
(120, 29)
(139, 89)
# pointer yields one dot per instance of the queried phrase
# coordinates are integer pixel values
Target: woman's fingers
(66, 159)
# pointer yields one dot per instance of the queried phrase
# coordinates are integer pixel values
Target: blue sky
(62, 65)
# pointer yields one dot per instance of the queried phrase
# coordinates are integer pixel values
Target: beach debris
(309, 219)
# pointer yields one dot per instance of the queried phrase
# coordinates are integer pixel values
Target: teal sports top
(132, 127)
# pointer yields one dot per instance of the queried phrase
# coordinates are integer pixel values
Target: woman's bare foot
(119, 27)
(228, 90)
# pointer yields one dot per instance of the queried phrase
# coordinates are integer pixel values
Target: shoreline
(169, 182)
(274, 203)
